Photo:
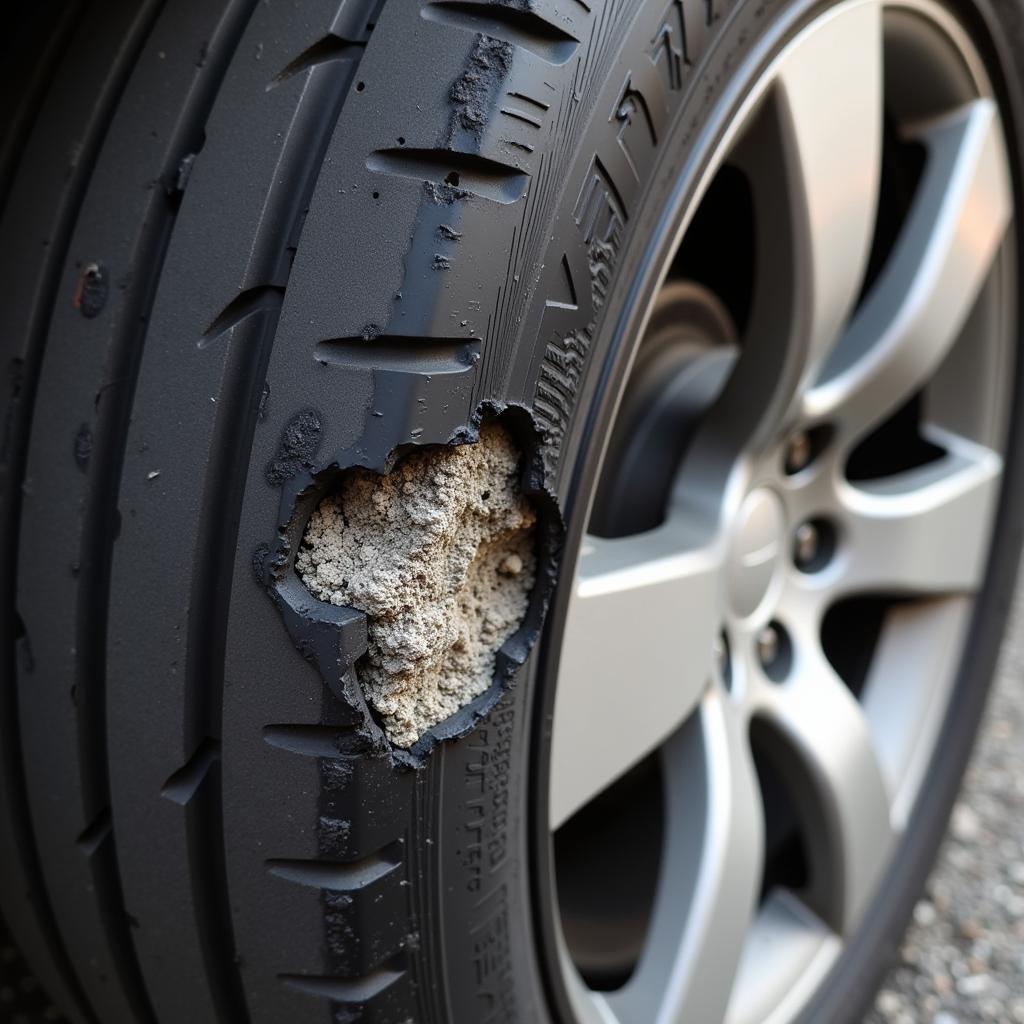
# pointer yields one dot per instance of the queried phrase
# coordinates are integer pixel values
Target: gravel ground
(963, 958)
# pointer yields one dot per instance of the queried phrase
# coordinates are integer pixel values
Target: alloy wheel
(794, 513)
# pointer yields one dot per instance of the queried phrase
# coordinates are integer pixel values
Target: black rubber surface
(245, 244)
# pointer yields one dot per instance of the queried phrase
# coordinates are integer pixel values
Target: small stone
(924, 913)
(910, 954)
(1002, 894)
(91, 290)
(965, 823)
(974, 984)
(888, 1002)
(511, 565)
(992, 1009)
(962, 858)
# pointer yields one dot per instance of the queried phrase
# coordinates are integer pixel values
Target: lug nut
(798, 453)
(768, 646)
(807, 545)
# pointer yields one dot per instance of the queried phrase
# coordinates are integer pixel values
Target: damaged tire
(510, 507)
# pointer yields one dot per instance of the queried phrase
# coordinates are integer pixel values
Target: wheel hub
(757, 552)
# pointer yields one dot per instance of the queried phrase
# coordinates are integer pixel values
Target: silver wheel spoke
(924, 531)
(788, 950)
(908, 690)
(716, 831)
(636, 657)
(814, 159)
(919, 305)
(831, 89)
(839, 782)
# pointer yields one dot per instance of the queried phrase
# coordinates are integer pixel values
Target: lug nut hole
(723, 659)
(804, 447)
(814, 544)
(774, 651)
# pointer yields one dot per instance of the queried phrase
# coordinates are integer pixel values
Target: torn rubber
(439, 554)
(419, 586)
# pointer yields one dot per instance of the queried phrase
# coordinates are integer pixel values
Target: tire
(248, 248)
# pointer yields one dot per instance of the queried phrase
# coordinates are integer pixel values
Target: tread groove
(516, 25)
(339, 876)
(315, 740)
(455, 172)
(328, 48)
(34, 85)
(260, 299)
(222, 493)
(519, 115)
(183, 785)
(525, 147)
(91, 840)
(347, 992)
(94, 834)
(393, 352)
(532, 100)
(101, 515)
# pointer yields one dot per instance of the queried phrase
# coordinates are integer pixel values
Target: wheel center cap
(756, 550)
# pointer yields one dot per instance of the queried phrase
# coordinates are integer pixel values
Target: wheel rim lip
(825, 955)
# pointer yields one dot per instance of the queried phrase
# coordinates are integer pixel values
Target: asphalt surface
(963, 958)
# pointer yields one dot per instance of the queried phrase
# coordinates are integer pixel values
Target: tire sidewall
(493, 871)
